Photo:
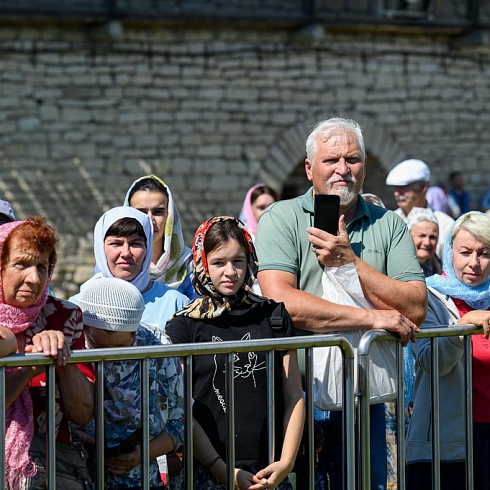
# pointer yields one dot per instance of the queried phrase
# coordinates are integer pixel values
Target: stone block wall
(214, 109)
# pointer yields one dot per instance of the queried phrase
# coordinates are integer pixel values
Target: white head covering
(417, 215)
(478, 297)
(408, 171)
(105, 222)
(111, 304)
(176, 261)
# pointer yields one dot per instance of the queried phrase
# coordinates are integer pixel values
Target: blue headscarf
(478, 297)
(142, 280)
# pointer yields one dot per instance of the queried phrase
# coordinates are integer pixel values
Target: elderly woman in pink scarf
(53, 327)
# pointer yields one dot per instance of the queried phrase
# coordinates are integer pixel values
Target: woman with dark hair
(225, 264)
(123, 239)
(48, 325)
(171, 260)
(257, 200)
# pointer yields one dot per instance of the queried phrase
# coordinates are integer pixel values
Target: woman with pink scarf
(53, 327)
(257, 200)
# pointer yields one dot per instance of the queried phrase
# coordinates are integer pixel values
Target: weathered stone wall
(213, 110)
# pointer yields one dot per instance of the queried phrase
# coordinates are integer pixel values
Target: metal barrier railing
(187, 351)
(365, 344)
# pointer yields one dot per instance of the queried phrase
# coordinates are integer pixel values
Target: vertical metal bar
(377, 7)
(400, 416)
(99, 424)
(434, 394)
(473, 12)
(230, 421)
(309, 10)
(365, 422)
(310, 417)
(271, 405)
(145, 422)
(188, 424)
(111, 6)
(468, 356)
(348, 421)
(2, 427)
(51, 426)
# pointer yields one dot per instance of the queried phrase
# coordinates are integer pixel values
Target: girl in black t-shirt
(224, 268)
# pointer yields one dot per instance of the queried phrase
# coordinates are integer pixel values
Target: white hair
(326, 128)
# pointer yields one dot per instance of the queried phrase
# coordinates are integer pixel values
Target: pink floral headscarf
(19, 422)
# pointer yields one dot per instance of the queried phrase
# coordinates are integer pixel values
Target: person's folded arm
(385, 293)
(312, 313)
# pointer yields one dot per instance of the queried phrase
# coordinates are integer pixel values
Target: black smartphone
(327, 213)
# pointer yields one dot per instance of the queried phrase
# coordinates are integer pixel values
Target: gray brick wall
(215, 109)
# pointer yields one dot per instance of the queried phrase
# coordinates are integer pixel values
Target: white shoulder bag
(341, 285)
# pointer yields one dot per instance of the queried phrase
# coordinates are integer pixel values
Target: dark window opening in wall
(296, 183)
(408, 8)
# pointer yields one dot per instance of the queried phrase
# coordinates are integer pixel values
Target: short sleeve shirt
(378, 236)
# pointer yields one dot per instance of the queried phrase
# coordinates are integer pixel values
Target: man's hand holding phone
(331, 251)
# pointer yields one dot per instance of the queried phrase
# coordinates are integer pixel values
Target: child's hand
(271, 476)
(245, 480)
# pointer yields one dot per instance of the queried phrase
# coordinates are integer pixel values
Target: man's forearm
(312, 313)
(386, 293)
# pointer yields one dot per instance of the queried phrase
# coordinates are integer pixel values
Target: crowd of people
(269, 274)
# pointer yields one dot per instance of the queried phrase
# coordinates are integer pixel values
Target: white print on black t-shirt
(246, 370)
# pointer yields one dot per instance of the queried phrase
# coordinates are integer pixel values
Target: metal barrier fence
(365, 344)
(99, 356)
(187, 351)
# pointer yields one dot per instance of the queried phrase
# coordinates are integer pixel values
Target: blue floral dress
(122, 404)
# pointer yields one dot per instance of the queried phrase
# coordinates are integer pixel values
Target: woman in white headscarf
(171, 260)
(424, 228)
(123, 240)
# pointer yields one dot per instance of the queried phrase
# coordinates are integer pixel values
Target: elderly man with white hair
(410, 181)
